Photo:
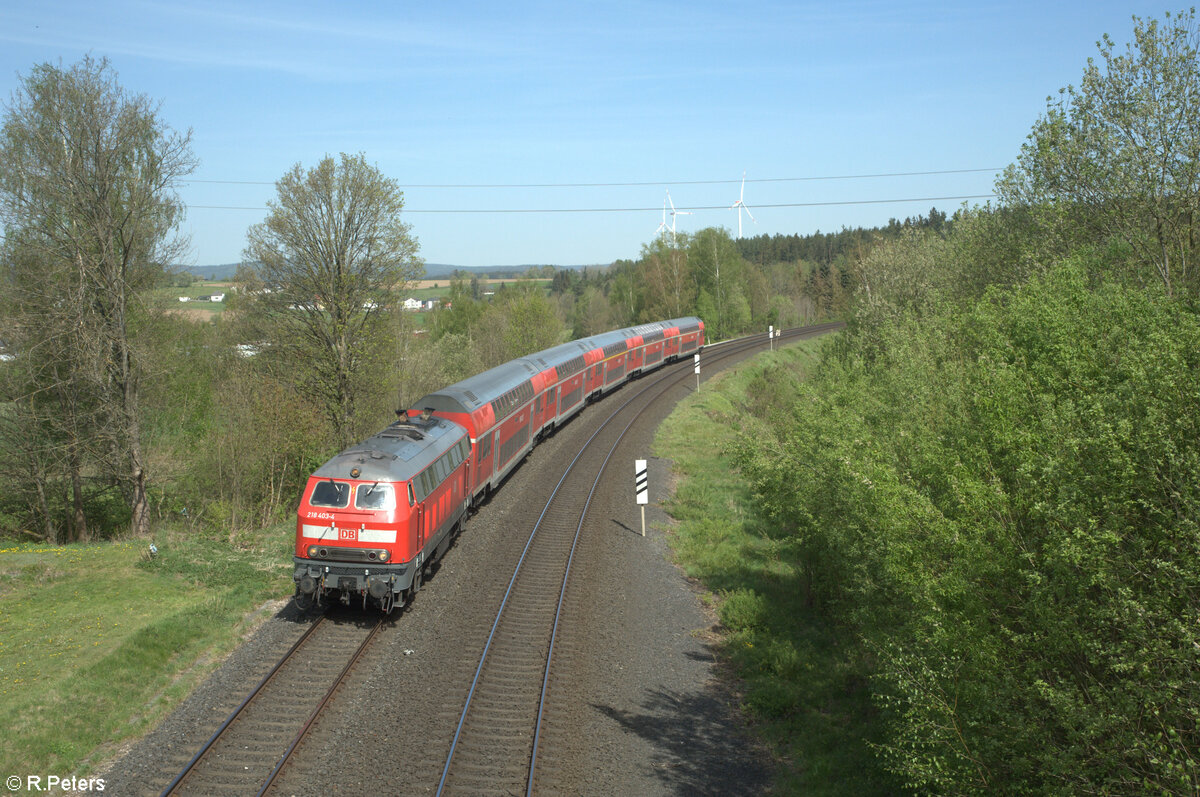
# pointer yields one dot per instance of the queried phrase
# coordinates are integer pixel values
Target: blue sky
(539, 102)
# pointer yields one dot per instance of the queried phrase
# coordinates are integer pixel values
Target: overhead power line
(961, 198)
(646, 183)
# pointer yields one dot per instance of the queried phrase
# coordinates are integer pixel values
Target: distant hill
(432, 270)
(224, 272)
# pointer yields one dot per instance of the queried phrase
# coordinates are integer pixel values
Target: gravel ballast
(645, 709)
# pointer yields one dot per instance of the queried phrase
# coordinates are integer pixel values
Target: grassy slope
(802, 690)
(97, 642)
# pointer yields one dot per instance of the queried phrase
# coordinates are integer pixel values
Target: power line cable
(655, 209)
(644, 184)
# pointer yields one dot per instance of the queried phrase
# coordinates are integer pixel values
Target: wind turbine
(675, 213)
(739, 206)
(662, 227)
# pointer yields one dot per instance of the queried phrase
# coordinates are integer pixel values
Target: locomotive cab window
(331, 494)
(374, 496)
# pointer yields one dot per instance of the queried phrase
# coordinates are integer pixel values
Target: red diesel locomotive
(374, 516)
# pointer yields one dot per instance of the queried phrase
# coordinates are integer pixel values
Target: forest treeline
(990, 489)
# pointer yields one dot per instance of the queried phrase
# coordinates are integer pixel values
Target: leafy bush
(743, 610)
(1002, 503)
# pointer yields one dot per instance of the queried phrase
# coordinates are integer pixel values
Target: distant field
(197, 311)
(168, 298)
(444, 283)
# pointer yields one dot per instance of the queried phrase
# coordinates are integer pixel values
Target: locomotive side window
(374, 496)
(411, 499)
(331, 494)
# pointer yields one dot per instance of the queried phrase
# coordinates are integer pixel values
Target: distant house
(185, 298)
(412, 304)
(217, 297)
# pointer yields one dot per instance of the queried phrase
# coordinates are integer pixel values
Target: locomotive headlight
(383, 556)
(312, 552)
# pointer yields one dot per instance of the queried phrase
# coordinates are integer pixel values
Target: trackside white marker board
(641, 487)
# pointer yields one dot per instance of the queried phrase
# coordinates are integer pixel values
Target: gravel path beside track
(639, 709)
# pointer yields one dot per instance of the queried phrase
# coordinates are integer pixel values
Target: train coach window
(330, 493)
(374, 496)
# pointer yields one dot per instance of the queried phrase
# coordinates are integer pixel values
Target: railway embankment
(98, 642)
(798, 684)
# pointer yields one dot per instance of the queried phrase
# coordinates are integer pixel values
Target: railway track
(498, 732)
(495, 745)
(253, 744)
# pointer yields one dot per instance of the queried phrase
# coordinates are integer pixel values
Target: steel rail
(229, 720)
(319, 708)
(667, 382)
(512, 582)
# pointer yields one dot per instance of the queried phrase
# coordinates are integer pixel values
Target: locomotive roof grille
(402, 430)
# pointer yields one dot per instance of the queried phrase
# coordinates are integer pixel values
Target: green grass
(801, 683)
(168, 298)
(98, 642)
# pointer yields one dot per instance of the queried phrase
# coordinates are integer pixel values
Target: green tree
(1118, 158)
(329, 263)
(717, 265)
(669, 283)
(87, 198)
(1000, 499)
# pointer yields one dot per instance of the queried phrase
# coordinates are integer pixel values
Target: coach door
(421, 519)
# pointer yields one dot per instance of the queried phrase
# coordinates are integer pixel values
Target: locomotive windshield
(331, 494)
(374, 496)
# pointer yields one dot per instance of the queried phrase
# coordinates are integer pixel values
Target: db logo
(348, 534)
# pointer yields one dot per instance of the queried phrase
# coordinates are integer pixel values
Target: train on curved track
(373, 517)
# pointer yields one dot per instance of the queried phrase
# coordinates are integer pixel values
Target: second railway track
(406, 728)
